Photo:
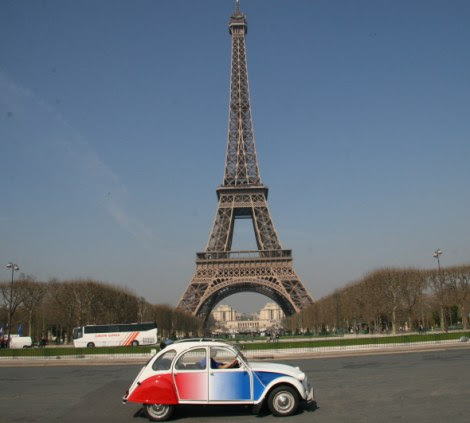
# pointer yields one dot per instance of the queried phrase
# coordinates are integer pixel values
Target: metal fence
(254, 350)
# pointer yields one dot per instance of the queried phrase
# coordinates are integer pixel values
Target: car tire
(135, 343)
(283, 401)
(158, 412)
(90, 345)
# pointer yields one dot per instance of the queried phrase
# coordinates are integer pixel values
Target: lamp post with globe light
(14, 267)
(436, 255)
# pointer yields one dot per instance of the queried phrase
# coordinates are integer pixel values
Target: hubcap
(284, 402)
(158, 410)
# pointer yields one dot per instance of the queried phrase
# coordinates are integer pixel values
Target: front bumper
(308, 389)
(310, 395)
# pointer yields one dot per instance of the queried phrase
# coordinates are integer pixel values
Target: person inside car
(217, 364)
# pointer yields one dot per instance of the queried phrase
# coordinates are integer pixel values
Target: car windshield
(240, 354)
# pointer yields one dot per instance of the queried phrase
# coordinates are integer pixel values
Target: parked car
(19, 341)
(213, 372)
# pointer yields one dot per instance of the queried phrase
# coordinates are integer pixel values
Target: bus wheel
(135, 343)
(90, 345)
(158, 412)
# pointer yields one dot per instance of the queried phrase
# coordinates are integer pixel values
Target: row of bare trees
(391, 299)
(54, 308)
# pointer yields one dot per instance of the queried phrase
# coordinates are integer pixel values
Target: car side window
(192, 360)
(164, 361)
(223, 358)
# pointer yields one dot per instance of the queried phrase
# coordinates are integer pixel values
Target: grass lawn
(249, 346)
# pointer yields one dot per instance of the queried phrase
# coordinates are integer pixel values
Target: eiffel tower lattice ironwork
(221, 272)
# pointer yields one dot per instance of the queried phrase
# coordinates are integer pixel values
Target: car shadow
(310, 407)
(206, 411)
(217, 411)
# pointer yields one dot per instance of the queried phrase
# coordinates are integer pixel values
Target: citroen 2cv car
(213, 372)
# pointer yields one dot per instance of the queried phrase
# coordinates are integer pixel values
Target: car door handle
(212, 374)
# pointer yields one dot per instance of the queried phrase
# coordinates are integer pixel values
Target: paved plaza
(414, 387)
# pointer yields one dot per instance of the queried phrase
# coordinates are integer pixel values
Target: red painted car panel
(192, 386)
(158, 389)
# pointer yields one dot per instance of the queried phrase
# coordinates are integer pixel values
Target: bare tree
(394, 282)
(63, 309)
(382, 296)
(374, 303)
(142, 308)
(459, 290)
(163, 315)
(34, 293)
(438, 281)
(13, 295)
(413, 293)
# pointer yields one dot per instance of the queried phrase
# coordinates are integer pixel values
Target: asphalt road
(414, 387)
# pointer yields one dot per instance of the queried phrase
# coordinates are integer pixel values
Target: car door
(228, 384)
(190, 375)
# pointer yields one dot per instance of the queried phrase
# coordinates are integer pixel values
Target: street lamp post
(14, 267)
(436, 255)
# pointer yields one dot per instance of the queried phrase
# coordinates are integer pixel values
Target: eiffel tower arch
(220, 271)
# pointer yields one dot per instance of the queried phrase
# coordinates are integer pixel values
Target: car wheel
(158, 412)
(90, 345)
(283, 401)
(135, 343)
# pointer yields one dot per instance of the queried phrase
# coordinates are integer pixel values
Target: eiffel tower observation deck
(220, 271)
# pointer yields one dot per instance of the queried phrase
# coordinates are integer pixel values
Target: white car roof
(191, 343)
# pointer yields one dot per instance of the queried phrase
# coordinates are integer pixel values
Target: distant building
(224, 313)
(228, 320)
(271, 311)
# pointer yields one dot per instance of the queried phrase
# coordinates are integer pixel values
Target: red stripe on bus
(135, 335)
(126, 339)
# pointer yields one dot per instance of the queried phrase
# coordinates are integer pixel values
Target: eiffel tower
(221, 272)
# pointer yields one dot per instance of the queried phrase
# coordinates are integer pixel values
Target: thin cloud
(16, 99)
(133, 226)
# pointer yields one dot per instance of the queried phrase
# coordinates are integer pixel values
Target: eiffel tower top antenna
(241, 166)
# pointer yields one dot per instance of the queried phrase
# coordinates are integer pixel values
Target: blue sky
(113, 123)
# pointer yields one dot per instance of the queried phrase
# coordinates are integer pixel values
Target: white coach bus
(133, 334)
